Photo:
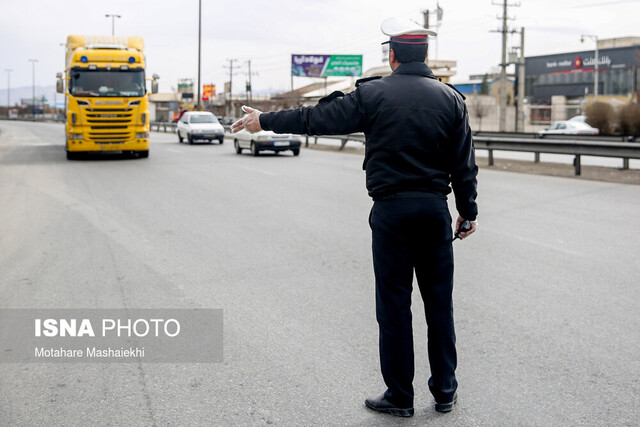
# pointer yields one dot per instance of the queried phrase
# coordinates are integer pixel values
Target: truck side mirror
(59, 83)
(154, 86)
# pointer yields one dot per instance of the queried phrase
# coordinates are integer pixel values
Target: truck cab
(106, 97)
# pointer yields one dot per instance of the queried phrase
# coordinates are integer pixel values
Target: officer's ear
(393, 61)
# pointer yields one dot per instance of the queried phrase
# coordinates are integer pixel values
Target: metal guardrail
(531, 143)
(600, 138)
(575, 147)
(164, 125)
(171, 126)
(342, 138)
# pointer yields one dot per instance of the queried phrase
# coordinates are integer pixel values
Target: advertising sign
(326, 65)
(208, 92)
(185, 86)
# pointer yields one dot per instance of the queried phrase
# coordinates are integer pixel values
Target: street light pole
(33, 87)
(8, 70)
(113, 17)
(199, 50)
(597, 63)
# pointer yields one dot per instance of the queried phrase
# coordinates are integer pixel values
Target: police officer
(418, 147)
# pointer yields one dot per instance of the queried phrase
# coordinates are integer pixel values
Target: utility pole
(249, 87)
(521, 78)
(230, 67)
(33, 87)
(8, 70)
(425, 16)
(502, 113)
(113, 17)
(199, 50)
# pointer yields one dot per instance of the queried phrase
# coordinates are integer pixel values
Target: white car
(581, 118)
(568, 128)
(199, 125)
(266, 141)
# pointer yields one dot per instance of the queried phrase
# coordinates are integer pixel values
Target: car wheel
(254, 149)
(221, 140)
(296, 152)
(190, 138)
(237, 146)
(180, 138)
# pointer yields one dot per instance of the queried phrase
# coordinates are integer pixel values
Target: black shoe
(381, 404)
(447, 407)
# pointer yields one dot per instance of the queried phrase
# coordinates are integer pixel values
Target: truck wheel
(72, 155)
(237, 146)
(254, 149)
(143, 154)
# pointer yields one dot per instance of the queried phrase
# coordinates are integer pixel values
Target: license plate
(281, 144)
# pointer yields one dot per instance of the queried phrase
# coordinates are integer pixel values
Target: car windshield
(580, 125)
(203, 118)
(107, 83)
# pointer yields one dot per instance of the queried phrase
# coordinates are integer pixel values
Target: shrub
(630, 120)
(601, 115)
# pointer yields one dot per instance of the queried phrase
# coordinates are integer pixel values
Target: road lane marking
(174, 150)
(259, 171)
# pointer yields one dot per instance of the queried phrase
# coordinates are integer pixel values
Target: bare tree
(477, 108)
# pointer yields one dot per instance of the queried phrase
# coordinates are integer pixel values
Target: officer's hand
(474, 225)
(250, 122)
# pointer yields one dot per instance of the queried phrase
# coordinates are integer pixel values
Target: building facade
(568, 79)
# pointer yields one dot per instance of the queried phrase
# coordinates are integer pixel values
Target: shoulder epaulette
(366, 79)
(332, 96)
(454, 88)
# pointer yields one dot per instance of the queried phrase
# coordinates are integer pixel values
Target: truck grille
(110, 125)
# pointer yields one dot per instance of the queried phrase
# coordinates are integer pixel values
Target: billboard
(303, 65)
(208, 92)
(185, 86)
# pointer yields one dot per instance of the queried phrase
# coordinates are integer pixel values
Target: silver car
(266, 141)
(199, 125)
(568, 128)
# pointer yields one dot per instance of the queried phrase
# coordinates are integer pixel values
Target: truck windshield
(107, 83)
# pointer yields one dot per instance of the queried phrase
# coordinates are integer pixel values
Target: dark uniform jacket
(418, 139)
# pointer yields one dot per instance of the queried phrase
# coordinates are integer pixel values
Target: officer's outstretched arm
(338, 116)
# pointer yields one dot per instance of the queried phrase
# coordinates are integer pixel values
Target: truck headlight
(77, 136)
(142, 135)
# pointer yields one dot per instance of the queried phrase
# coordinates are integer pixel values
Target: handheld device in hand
(464, 227)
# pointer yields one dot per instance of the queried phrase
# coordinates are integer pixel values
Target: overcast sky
(268, 32)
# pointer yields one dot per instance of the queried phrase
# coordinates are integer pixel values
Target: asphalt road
(546, 294)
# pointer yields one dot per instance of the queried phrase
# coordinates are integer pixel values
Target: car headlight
(142, 135)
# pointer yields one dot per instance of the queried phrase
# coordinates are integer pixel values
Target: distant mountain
(25, 92)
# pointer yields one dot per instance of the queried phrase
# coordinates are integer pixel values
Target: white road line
(259, 171)
(174, 151)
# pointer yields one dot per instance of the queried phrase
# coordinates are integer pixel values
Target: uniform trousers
(414, 234)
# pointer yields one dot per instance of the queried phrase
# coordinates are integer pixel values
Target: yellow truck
(107, 104)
